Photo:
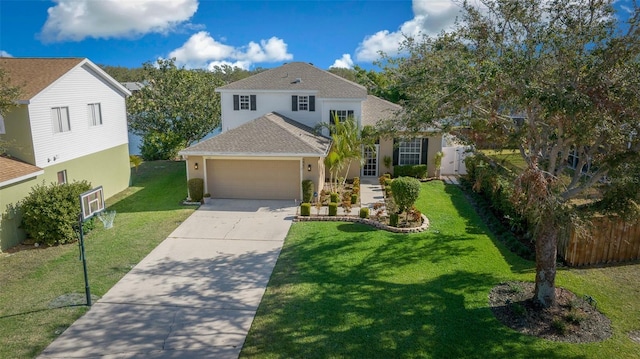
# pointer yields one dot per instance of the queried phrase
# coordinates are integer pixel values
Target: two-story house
(269, 145)
(70, 123)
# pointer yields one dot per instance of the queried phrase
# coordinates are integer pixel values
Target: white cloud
(5, 54)
(202, 50)
(344, 62)
(76, 20)
(430, 18)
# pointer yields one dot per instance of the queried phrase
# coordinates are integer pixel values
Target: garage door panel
(253, 179)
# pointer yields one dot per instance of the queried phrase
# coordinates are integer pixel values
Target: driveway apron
(193, 296)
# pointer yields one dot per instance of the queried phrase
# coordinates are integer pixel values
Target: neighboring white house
(70, 124)
(268, 144)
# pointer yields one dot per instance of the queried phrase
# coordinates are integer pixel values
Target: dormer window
(303, 103)
(244, 102)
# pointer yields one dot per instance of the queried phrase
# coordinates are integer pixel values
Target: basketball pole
(87, 290)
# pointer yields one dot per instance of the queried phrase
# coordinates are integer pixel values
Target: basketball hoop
(107, 218)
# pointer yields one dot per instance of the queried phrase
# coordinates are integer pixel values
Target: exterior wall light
(309, 167)
(195, 166)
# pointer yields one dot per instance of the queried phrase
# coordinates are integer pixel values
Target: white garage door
(254, 179)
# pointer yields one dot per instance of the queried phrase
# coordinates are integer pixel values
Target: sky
(206, 33)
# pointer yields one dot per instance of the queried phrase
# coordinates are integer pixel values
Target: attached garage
(254, 179)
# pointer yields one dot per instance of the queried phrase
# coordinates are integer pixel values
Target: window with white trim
(245, 102)
(409, 152)
(62, 177)
(303, 103)
(60, 119)
(95, 114)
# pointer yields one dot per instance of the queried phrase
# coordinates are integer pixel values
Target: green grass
(508, 158)
(343, 290)
(147, 212)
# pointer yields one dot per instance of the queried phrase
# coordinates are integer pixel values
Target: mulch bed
(572, 319)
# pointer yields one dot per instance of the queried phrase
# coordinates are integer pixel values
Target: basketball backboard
(91, 202)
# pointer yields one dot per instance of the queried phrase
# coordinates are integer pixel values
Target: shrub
(50, 213)
(393, 219)
(387, 181)
(305, 209)
(307, 190)
(354, 198)
(416, 171)
(364, 212)
(383, 178)
(356, 182)
(159, 146)
(405, 191)
(387, 191)
(333, 197)
(196, 189)
(333, 209)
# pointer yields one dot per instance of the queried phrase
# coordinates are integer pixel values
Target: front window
(95, 115)
(62, 177)
(245, 102)
(60, 119)
(409, 152)
(303, 103)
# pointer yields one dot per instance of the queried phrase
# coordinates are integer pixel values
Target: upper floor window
(409, 152)
(342, 115)
(95, 115)
(303, 103)
(60, 119)
(244, 102)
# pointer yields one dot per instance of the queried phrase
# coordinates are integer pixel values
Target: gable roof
(300, 76)
(15, 171)
(375, 109)
(268, 135)
(33, 75)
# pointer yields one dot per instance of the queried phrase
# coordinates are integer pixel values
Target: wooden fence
(607, 241)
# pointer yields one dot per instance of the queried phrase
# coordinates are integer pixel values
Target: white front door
(370, 168)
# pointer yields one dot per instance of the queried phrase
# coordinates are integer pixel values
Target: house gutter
(21, 178)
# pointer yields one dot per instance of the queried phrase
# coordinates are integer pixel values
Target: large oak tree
(567, 70)
(176, 108)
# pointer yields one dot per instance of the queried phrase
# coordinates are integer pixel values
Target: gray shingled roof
(375, 109)
(284, 78)
(269, 135)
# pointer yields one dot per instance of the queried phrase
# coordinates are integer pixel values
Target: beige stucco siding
(254, 179)
(316, 174)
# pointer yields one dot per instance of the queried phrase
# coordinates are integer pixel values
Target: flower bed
(371, 222)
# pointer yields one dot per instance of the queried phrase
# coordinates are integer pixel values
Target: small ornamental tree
(50, 213)
(405, 191)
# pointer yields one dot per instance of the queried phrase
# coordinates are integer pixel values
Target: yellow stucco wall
(109, 169)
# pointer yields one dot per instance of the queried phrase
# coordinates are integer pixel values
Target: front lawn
(344, 290)
(30, 280)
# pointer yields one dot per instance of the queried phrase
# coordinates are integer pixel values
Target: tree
(177, 105)
(346, 147)
(553, 79)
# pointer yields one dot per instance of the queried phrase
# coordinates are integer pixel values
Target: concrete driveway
(193, 296)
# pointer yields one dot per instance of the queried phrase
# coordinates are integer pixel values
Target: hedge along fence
(608, 240)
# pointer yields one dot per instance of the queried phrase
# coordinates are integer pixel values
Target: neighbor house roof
(300, 76)
(268, 135)
(12, 171)
(375, 109)
(33, 75)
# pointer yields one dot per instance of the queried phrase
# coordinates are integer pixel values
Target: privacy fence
(609, 240)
